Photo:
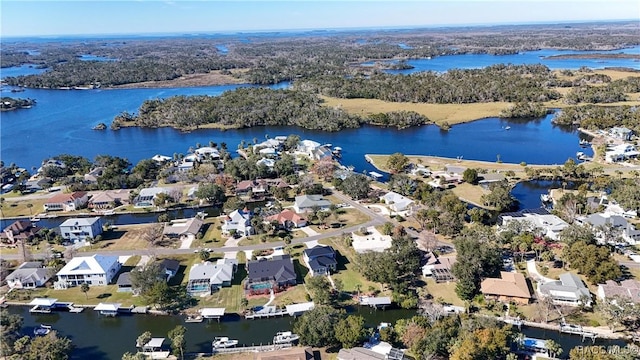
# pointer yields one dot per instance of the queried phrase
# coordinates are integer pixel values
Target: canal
(102, 338)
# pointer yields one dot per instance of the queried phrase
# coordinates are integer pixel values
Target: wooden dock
(266, 312)
(577, 330)
(259, 348)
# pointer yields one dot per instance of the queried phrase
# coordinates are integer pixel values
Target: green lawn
(346, 271)
(444, 291)
(212, 237)
(95, 295)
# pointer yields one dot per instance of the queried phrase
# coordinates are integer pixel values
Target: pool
(260, 286)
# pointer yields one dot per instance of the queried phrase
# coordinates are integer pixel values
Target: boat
(580, 155)
(545, 198)
(220, 342)
(42, 330)
(584, 142)
(34, 219)
(194, 319)
(285, 337)
(507, 127)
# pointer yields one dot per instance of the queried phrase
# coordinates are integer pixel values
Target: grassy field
(444, 291)
(95, 295)
(346, 271)
(438, 113)
(127, 237)
(15, 208)
(470, 193)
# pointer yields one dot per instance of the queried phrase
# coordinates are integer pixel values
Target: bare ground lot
(191, 80)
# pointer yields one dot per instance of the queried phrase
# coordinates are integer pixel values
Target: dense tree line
(249, 107)
(611, 92)
(8, 103)
(524, 110)
(599, 117)
(510, 83)
(593, 261)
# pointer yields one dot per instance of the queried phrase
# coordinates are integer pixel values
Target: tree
(84, 287)
(244, 302)
(356, 186)
(477, 257)
(320, 289)
(500, 196)
(144, 278)
(470, 175)
(143, 339)
(488, 343)
(589, 353)
(136, 356)
(204, 255)
(178, 341)
(10, 325)
(553, 347)
(49, 346)
(397, 162)
(316, 327)
(350, 331)
(212, 193)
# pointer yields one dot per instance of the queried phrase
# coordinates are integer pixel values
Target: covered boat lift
(108, 309)
(42, 305)
(212, 313)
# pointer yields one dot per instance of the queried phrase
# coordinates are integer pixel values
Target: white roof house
(238, 221)
(205, 277)
(621, 152)
(569, 290)
(396, 202)
(29, 275)
(147, 195)
(304, 203)
(182, 227)
(539, 218)
(160, 158)
(374, 241)
(627, 231)
(207, 152)
(95, 270)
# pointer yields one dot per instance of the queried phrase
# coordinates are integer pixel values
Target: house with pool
(264, 275)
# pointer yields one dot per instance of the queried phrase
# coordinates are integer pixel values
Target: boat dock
(577, 330)
(273, 311)
(212, 313)
(258, 348)
(375, 302)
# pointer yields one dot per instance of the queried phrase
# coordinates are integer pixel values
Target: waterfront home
(169, 267)
(510, 287)
(124, 282)
(621, 133)
(51, 163)
(620, 153)
(66, 202)
(146, 197)
(550, 225)
(29, 275)
(626, 231)
(396, 202)
(627, 289)
(182, 228)
(255, 188)
(441, 179)
(270, 274)
(79, 229)
(371, 241)
(96, 270)
(92, 176)
(485, 180)
(19, 230)
(320, 260)
(238, 222)
(439, 268)
(569, 290)
(207, 153)
(287, 219)
(109, 199)
(205, 278)
(307, 147)
(306, 203)
(359, 353)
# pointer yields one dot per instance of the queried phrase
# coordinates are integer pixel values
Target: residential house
(124, 282)
(255, 188)
(569, 290)
(109, 199)
(169, 267)
(628, 289)
(147, 196)
(207, 153)
(620, 153)
(444, 179)
(550, 225)
(287, 219)
(79, 229)
(19, 230)
(627, 231)
(180, 228)
(51, 162)
(67, 202)
(275, 273)
(96, 270)
(396, 202)
(621, 133)
(510, 287)
(307, 147)
(485, 180)
(439, 268)
(207, 277)
(161, 159)
(92, 176)
(371, 241)
(29, 275)
(238, 222)
(269, 163)
(306, 203)
(320, 260)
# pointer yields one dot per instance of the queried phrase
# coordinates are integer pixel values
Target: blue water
(20, 70)
(475, 61)
(95, 58)
(222, 49)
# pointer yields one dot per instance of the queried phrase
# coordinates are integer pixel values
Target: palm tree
(85, 289)
(553, 348)
(29, 206)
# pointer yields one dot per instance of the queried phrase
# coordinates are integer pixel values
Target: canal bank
(104, 338)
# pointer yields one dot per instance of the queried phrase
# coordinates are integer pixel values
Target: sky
(88, 17)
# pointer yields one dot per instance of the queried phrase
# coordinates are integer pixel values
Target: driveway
(535, 275)
(309, 231)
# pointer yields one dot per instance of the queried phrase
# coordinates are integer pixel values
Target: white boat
(580, 155)
(584, 142)
(223, 342)
(545, 198)
(194, 319)
(507, 127)
(42, 330)
(285, 337)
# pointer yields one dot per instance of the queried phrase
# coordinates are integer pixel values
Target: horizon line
(328, 29)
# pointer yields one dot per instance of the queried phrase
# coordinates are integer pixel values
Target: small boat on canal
(285, 337)
(42, 330)
(221, 342)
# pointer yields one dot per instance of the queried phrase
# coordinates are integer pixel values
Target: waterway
(528, 192)
(118, 335)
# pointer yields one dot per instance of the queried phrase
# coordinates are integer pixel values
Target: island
(8, 103)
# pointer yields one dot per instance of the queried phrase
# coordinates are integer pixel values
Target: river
(118, 335)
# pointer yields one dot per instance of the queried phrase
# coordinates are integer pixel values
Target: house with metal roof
(206, 277)
(540, 218)
(239, 222)
(569, 290)
(305, 203)
(79, 229)
(96, 270)
(627, 231)
(182, 227)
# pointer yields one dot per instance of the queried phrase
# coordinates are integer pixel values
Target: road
(375, 220)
